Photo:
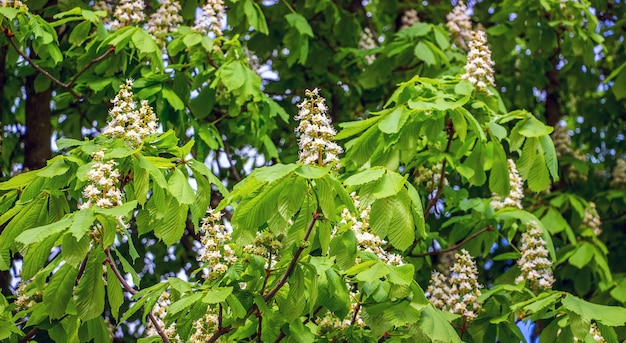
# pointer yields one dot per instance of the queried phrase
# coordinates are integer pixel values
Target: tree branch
(133, 291)
(292, 265)
(435, 198)
(294, 261)
(454, 246)
(68, 85)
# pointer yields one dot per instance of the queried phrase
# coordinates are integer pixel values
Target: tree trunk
(37, 148)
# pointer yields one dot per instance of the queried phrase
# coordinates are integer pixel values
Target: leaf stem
(109, 260)
(289, 6)
(454, 246)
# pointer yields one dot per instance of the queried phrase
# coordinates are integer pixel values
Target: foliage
(110, 239)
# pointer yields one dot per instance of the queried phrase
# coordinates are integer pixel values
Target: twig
(83, 265)
(133, 291)
(294, 261)
(223, 330)
(454, 246)
(67, 85)
(357, 308)
(30, 334)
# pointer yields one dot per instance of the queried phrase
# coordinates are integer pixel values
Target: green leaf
(172, 226)
(217, 295)
(401, 275)
(55, 169)
(607, 315)
(115, 295)
(173, 99)
(390, 217)
(233, 75)
(89, 294)
(393, 121)
(436, 327)
(20, 180)
(538, 177)
(40, 233)
(180, 188)
(184, 303)
(368, 175)
(390, 184)
(499, 176)
(374, 272)
(550, 153)
(82, 222)
(312, 172)
(58, 292)
(417, 209)
(533, 127)
(80, 33)
(291, 197)
(352, 128)
(144, 42)
(424, 53)
(299, 23)
(582, 255)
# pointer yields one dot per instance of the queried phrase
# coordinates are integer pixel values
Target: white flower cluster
(367, 42)
(516, 194)
(564, 147)
(479, 66)
(367, 241)
(205, 327)
(409, 18)
(267, 246)
(215, 251)
(25, 301)
(13, 3)
(592, 219)
(211, 17)
(128, 12)
(535, 265)
(317, 135)
(331, 323)
(160, 311)
(128, 122)
(618, 177)
(104, 178)
(460, 24)
(594, 332)
(459, 292)
(102, 5)
(430, 176)
(164, 21)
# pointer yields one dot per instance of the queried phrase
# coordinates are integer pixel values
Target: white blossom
(516, 193)
(160, 311)
(215, 250)
(330, 323)
(102, 191)
(479, 66)
(430, 176)
(164, 21)
(14, 4)
(205, 327)
(460, 24)
(618, 177)
(211, 17)
(367, 42)
(128, 12)
(459, 292)
(317, 146)
(128, 122)
(409, 17)
(266, 245)
(535, 263)
(367, 241)
(592, 219)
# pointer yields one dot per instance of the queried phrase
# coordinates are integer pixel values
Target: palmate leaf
(607, 315)
(499, 176)
(171, 227)
(180, 188)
